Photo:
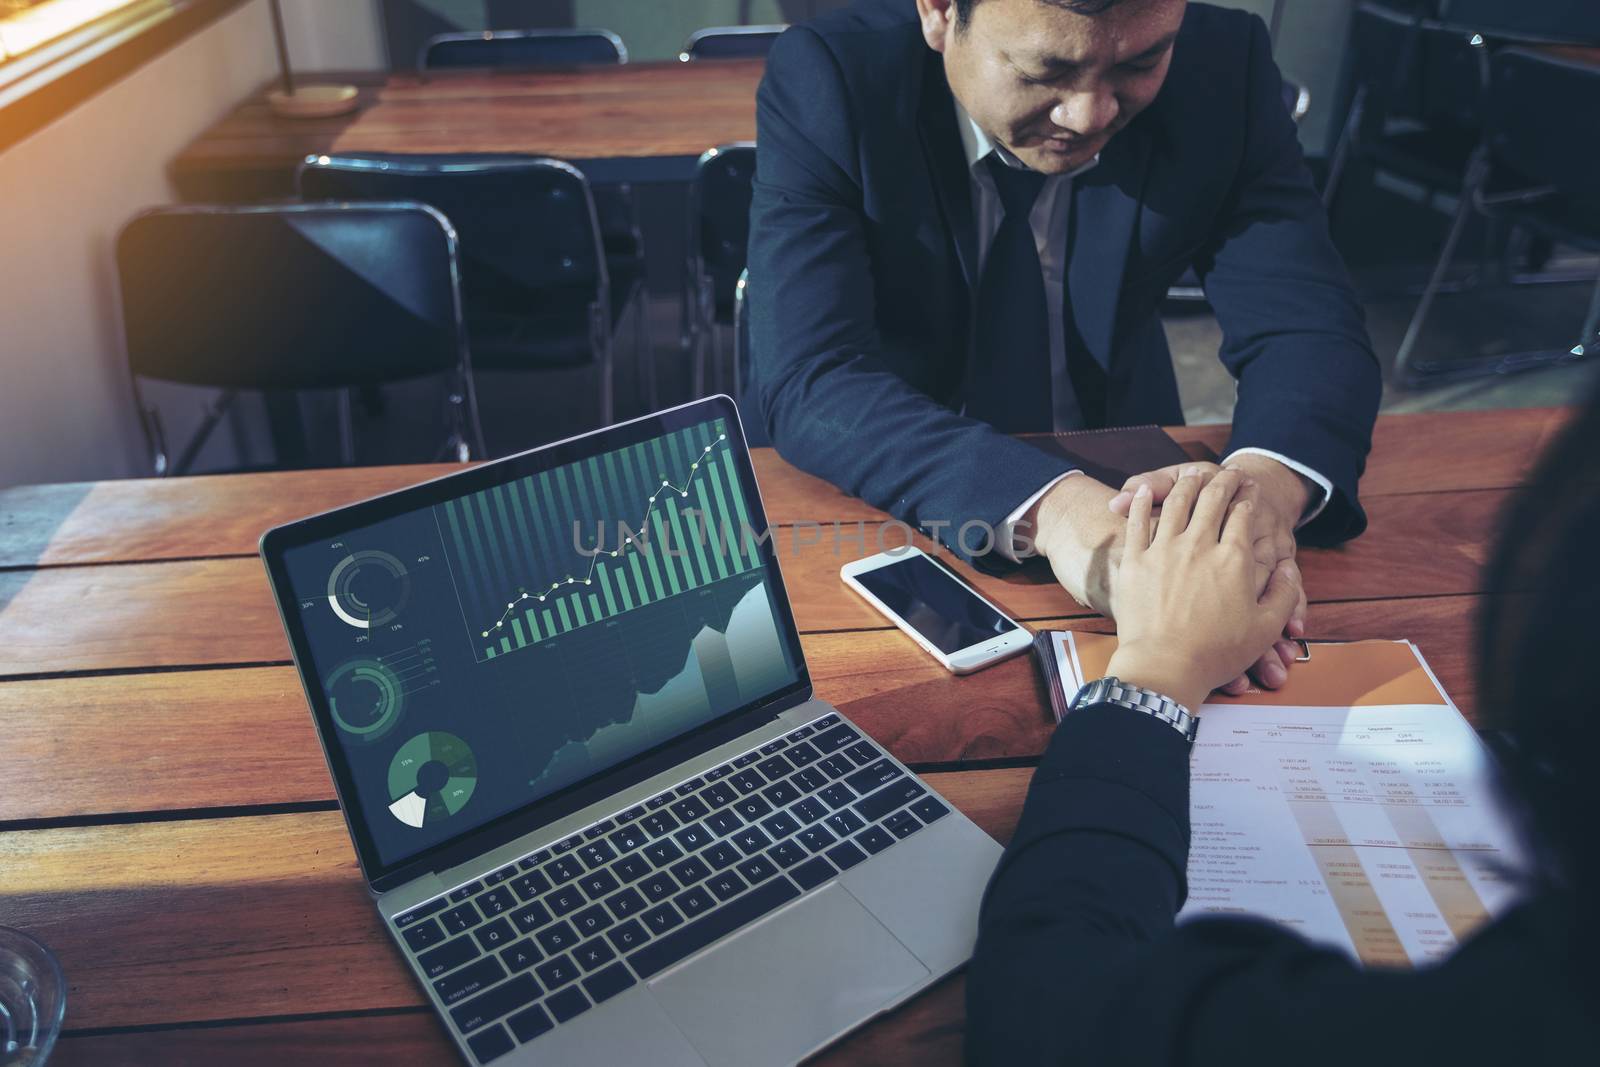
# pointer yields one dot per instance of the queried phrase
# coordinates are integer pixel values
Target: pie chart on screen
(431, 777)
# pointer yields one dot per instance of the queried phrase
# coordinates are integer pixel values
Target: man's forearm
(1073, 527)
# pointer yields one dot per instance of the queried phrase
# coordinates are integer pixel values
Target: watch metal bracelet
(1159, 707)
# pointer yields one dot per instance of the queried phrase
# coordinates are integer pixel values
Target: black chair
(536, 286)
(755, 426)
(1573, 21)
(719, 235)
(293, 297)
(522, 49)
(730, 42)
(1536, 169)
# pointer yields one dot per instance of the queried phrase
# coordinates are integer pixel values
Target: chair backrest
(1417, 68)
(730, 42)
(1543, 120)
(1577, 21)
(290, 296)
(526, 225)
(720, 213)
(522, 49)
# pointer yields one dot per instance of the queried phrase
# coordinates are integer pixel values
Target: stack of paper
(1354, 805)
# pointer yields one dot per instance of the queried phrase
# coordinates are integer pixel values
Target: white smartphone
(938, 610)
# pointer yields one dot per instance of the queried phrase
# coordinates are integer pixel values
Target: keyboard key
(496, 901)
(757, 869)
(799, 735)
(448, 956)
(746, 759)
(863, 753)
(719, 772)
(726, 884)
(872, 776)
(826, 721)
(418, 914)
(458, 895)
(810, 780)
(812, 873)
(424, 935)
(775, 768)
(773, 746)
(809, 810)
(720, 795)
(494, 935)
(659, 886)
(599, 829)
(835, 739)
(600, 883)
(566, 900)
(690, 871)
(800, 755)
(663, 852)
(844, 823)
(693, 838)
(469, 980)
(530, 1024)
(902, 824)
(753, 807)
(563, 869)
(690, 809)
(838, 795)
(896, 794)
(627, 936)
(781, 825)
(660, 800)
(461, 917)
(661, 918)
(530, 918)
(781, 794)
(591, 920)
(628, 838)
(625, 903)
(723, 823)
(631, 868)
(689, 787)
(567, 1004)
(593, 954)
(568, 844)
(490, 1045)
(815, 838)
(501, 875)
(521, 956)
(929, 809)
(538, 859)
(631, 814)
(875, 839)
(720, 855)
(557, 938)
(751, 839)
(531, 885)
(846, 855)
(557, 972)
(692, 902)
(747, 782)
(836, 766)
(608, 983)
(597, 854)
(484, 1010)
(786, 854)
(662, 953)
(658, 823)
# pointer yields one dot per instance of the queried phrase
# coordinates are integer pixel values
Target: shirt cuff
(1313, 507)
(1005, 538)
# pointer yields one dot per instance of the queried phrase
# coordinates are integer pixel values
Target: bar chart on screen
(578, 544)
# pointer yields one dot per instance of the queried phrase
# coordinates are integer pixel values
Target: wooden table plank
(220, 611)
(224, 515)
(243, 738)
(201, 919)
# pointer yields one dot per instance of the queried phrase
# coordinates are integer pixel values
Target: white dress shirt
(1052, 214)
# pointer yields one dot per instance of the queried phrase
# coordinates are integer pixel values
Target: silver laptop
(567, 714)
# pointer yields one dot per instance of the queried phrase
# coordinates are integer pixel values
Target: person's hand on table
(1075, 529)
(1191, 610)
(1279, 498)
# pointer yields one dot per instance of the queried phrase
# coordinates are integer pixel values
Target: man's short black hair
(1082, 7)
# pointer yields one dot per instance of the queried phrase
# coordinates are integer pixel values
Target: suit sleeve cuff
(1315, 506)
(1006, 541)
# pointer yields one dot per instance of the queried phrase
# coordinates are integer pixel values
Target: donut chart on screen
(431, 778)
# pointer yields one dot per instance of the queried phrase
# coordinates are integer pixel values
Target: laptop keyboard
(540, 941)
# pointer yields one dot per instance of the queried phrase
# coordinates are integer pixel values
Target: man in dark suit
(966, 216)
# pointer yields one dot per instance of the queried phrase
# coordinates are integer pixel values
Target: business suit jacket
(1078, 960)
(864, 254)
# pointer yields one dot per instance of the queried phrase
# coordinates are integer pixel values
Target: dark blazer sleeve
(831, 403)
(1078, 960)
(1294, 334)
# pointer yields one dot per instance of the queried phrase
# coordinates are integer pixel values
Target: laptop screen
(515, 636)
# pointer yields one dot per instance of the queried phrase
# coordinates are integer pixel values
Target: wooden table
(637, 122)
(169, 828)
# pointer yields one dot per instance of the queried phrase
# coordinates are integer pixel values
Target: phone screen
(935, 603)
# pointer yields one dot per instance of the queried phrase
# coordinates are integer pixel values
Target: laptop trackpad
(787, 985)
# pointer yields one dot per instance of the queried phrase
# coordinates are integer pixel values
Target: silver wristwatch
(1116, 691)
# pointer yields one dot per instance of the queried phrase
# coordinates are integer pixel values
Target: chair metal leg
(214, 413)
(1477, 172)
(1346, 145)
(603, 343)
(347, 429)
(155, 438)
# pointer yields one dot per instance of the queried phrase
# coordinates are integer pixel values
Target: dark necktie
(1010, 383)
